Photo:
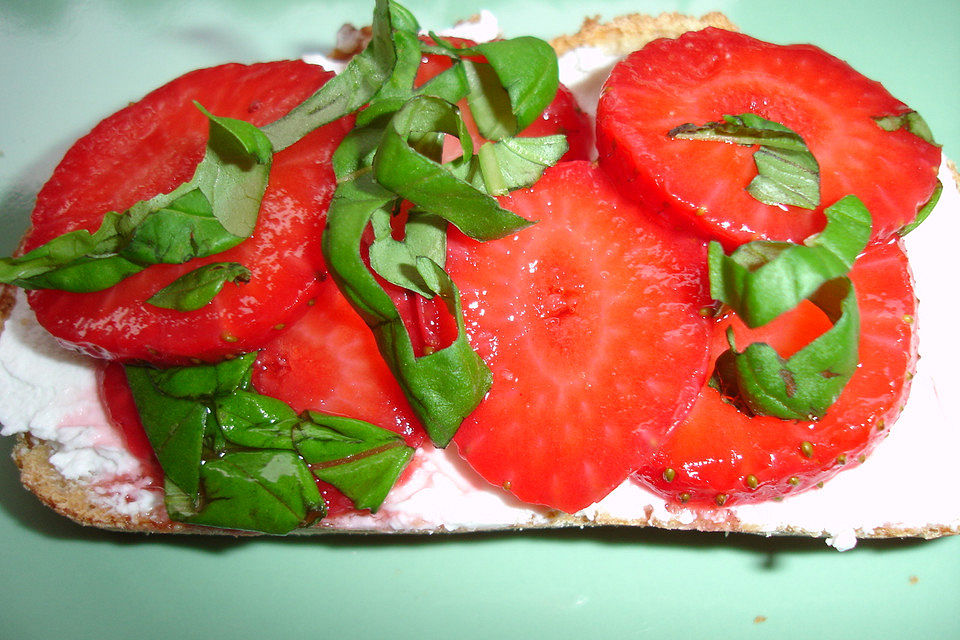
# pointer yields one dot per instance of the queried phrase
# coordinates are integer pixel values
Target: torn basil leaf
(787, 173)
(263, 490)
(359, 459)
(443, 387)
(396, 260)
(528, 70)
(760, 382)
(924, 211)
(763, 279)
(401, 169)
(911, 121)
(195, 289)
(353, 87)
(236, 459)
(216, 210)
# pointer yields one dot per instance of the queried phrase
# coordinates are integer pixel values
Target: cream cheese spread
(52, 394)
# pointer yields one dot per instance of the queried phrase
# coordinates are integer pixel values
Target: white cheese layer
(53, 394)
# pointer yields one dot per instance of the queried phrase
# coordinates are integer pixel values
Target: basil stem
(787, 173)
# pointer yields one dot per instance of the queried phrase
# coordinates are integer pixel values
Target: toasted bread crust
(80, 502)
(630, 32)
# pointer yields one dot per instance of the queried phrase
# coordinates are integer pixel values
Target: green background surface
(65, 65)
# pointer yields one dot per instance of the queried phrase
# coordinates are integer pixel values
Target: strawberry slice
(590, 321)
(719, 455)
(154, 145)
(703, 76)
(122, 410)
(563, 115)
(329, 361)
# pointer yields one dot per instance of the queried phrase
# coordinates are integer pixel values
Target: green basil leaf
(233, 458)
(180, 505)
(205, 381)
(396, 260)
(234, 173)
(182, 230)
(323, 438)
(528, 70)
(251, 420)
(761, 280)
(353, 87)
(398, 86)
(216, 210)
(508, 91)
(82, 275)
(450, 85)
(787, 173)
(197, 288)
(443, 387)
(522, 161)
(77, 261)
(428, 184)
(761, 382)
(489, 101)
(360, 459)
(266, 490)
(911, 121)
(175, 427)
(924, 211)
(367, 480)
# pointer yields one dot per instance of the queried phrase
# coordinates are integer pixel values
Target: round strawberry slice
(703, 76)
(719, 455)
(153, 146)
(563, 115)
(590, 321)
(329, 362)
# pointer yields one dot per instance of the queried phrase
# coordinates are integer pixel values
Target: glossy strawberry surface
(329, 362)
(151, 147)
(590, 320)
(702, 76)
(720, 456)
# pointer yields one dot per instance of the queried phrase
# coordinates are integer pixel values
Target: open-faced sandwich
(652, 274)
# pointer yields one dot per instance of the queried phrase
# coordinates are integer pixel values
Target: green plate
(66, 65)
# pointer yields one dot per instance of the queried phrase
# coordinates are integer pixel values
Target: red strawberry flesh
(329, 362)
(717, 453)
(590, 322)
(153, 146)
(702, 76)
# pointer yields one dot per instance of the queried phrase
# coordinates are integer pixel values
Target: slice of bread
(442, 493)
